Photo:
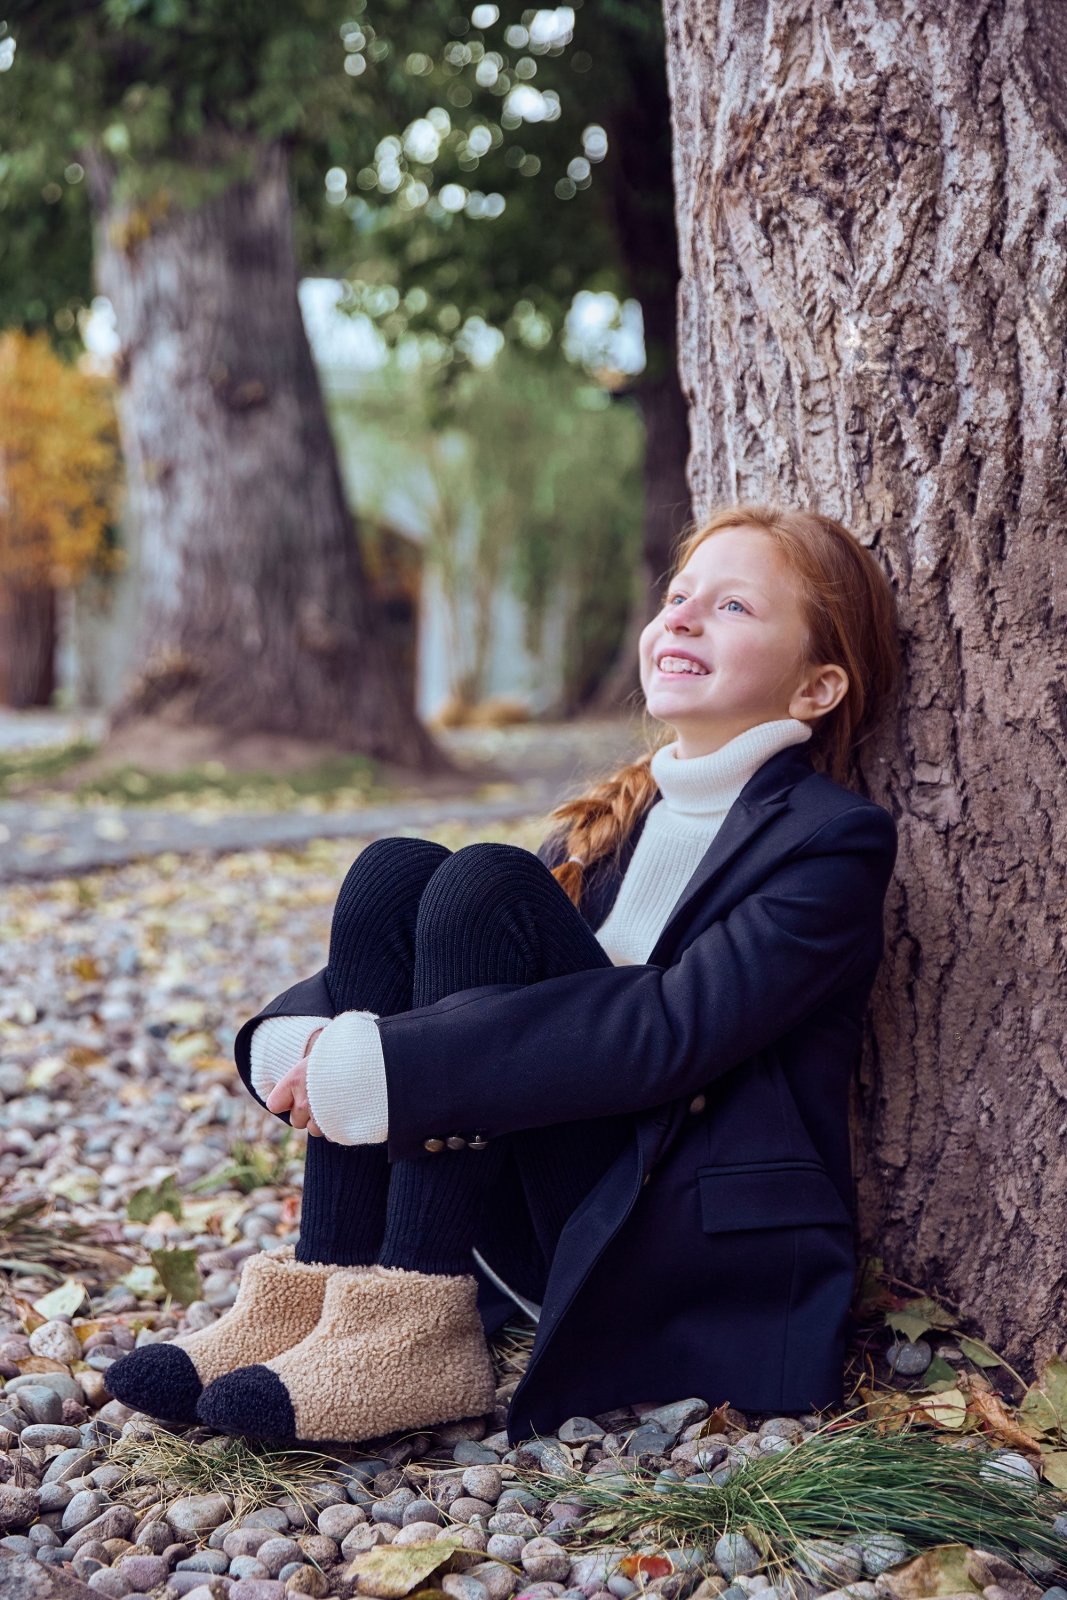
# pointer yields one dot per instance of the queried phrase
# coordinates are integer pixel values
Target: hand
(290, 1094)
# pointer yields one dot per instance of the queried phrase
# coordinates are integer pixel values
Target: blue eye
(731, 602)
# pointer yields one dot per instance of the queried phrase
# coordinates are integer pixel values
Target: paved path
(531, 767)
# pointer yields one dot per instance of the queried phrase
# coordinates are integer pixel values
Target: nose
(680, 618)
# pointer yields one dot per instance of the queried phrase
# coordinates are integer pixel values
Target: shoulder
(824, 811)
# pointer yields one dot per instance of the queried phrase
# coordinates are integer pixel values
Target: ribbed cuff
(278, 1044)
(346, 1082)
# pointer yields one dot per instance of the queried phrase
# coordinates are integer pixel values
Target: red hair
(850, 613)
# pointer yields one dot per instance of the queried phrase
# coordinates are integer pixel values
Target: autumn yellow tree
(59, 479)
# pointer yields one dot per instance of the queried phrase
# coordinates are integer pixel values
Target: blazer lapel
(760, 800)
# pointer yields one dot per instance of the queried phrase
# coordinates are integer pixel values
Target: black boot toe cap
(159, 1379)
(252, 1401)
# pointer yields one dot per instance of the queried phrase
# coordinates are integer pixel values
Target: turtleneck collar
(699, 784)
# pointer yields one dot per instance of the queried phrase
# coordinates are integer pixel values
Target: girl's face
(733, 609)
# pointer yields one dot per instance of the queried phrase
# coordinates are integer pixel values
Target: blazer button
(477, 1143)
(455, 1142)
(697, 1104)
(433, 1145)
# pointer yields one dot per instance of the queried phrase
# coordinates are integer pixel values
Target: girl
(608, 1082)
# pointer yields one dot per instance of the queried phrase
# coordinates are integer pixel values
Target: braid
(598, 823)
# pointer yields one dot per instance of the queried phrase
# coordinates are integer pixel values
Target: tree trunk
(643, 207)
(871, 211)
(27, 645)
(257, 615)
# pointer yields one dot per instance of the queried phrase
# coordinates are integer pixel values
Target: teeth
(680, 664)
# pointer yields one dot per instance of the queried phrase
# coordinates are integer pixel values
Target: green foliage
(381, 107)
(527, 475)
(147, 1202)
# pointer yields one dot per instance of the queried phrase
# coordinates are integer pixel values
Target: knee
(478, 876)
(388, 874)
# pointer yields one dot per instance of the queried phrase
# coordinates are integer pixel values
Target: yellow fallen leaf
(63, 1301)
(86, 968)
(947, 1410)
(1053, 1466)
(392, 1571)
(941, 1570)
(40, 1364)
(991, 1411)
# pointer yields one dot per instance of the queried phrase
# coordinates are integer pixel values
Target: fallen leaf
(652, 1566)
(978, 1353)
(1043, 1408)
(916, 1316)
(146, 1203)
(391, 1571)
(40, 1364)
(992, 1414)
(178, 1273)
(941, 1570)
(947, 1410)
(83, 1055)
(1053, 1466)
(61, 1302)
(29, 1318)
(86, 968)
(715, 1422)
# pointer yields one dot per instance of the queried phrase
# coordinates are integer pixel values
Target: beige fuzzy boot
(393, 1349)
(279, 1301)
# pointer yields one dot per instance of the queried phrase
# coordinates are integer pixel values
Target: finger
(279, 1099)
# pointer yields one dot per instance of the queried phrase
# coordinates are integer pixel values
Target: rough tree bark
(872, 206)
(257, 615)
(27, 645)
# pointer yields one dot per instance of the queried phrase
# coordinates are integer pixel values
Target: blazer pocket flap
(778, 1194)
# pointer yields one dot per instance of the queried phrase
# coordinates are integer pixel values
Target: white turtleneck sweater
(346, 1079)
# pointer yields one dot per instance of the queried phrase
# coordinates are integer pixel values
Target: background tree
(873, 321)
(182, 101)
(59, 475)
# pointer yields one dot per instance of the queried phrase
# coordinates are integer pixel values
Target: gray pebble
(196, 1513)
(110, 1583)
(504, 1547)
(248, 1567)
(244, 1541)
(580, 1430)
(883, 1550)
(420, 1511)
(365, 1536)
(483, 1483)
(735, 1554)
(38, 1434)
(338, 1521)
(257, 1589)
(41, 1403)
(461, 1586)
(18, 1506)
(909, 1358)
(57, 1341)
(468, 1453)
(83, 1508)
(274, 1553)
(266, 1517)
(466, 1506)
(546, 1561)
(516, 1522)
(143, 1572)
(205, 1561)
(64, 1385)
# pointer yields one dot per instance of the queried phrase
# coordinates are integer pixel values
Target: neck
(711, 782)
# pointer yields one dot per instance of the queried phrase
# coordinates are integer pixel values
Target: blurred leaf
(178, 1273)
(146, 1203)
(63, 1301)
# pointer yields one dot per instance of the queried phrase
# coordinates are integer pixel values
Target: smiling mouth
(685, 673)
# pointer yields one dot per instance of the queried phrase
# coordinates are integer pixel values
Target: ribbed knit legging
(413, 922)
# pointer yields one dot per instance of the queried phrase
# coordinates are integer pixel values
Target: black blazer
(716, 1255)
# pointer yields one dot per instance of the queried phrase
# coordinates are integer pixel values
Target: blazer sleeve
(502, 1057)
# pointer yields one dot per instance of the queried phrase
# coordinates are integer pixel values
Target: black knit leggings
(413, 922)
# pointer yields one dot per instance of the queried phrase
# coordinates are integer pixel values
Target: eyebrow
(737, 583)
